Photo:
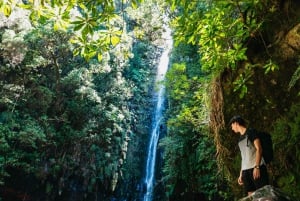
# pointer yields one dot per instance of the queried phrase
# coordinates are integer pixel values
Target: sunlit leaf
(77, 22)
(91, 54)
(134, 4)
(7, 10)
(93, 23)
(76, 51)
(99, 57)
(115, 40)
(78, 27)
(56, 26)
(86, 30)
(24, 6)
(107, 40)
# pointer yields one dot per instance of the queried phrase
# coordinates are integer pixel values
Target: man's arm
(258, 156)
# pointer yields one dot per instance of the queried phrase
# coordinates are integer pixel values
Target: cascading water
(159, 96)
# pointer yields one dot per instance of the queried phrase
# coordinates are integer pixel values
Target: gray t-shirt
(248, 151)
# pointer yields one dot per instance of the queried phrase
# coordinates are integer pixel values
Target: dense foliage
(94, 23)
(249, 51)
(67, 122)
(190, 169)
(53, 109)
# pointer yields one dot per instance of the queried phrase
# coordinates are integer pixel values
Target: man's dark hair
(238, 119)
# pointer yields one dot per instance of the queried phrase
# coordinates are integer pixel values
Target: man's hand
(240, 181)
(256, 173)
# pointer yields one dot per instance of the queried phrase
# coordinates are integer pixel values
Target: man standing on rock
(253, 174)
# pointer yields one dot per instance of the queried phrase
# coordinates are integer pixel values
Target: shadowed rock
(268, 193)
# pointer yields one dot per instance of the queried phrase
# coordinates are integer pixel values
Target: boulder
(268, 193)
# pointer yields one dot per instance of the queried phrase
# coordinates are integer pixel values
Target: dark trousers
(251, 184)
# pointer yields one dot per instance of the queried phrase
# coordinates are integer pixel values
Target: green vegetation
(245, 65)
(66, 122)
(97, 25)
(54, 107)
(76, 88)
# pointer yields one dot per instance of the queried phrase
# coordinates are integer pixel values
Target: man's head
(236, 122)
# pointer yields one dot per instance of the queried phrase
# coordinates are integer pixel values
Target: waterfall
(159, 97)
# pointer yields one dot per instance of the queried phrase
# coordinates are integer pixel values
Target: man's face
(234, 127)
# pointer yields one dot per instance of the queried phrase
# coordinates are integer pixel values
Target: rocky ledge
(268, 193)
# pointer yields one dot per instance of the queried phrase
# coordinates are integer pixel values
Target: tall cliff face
(130, 186)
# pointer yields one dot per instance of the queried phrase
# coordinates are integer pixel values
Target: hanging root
(217, 122)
